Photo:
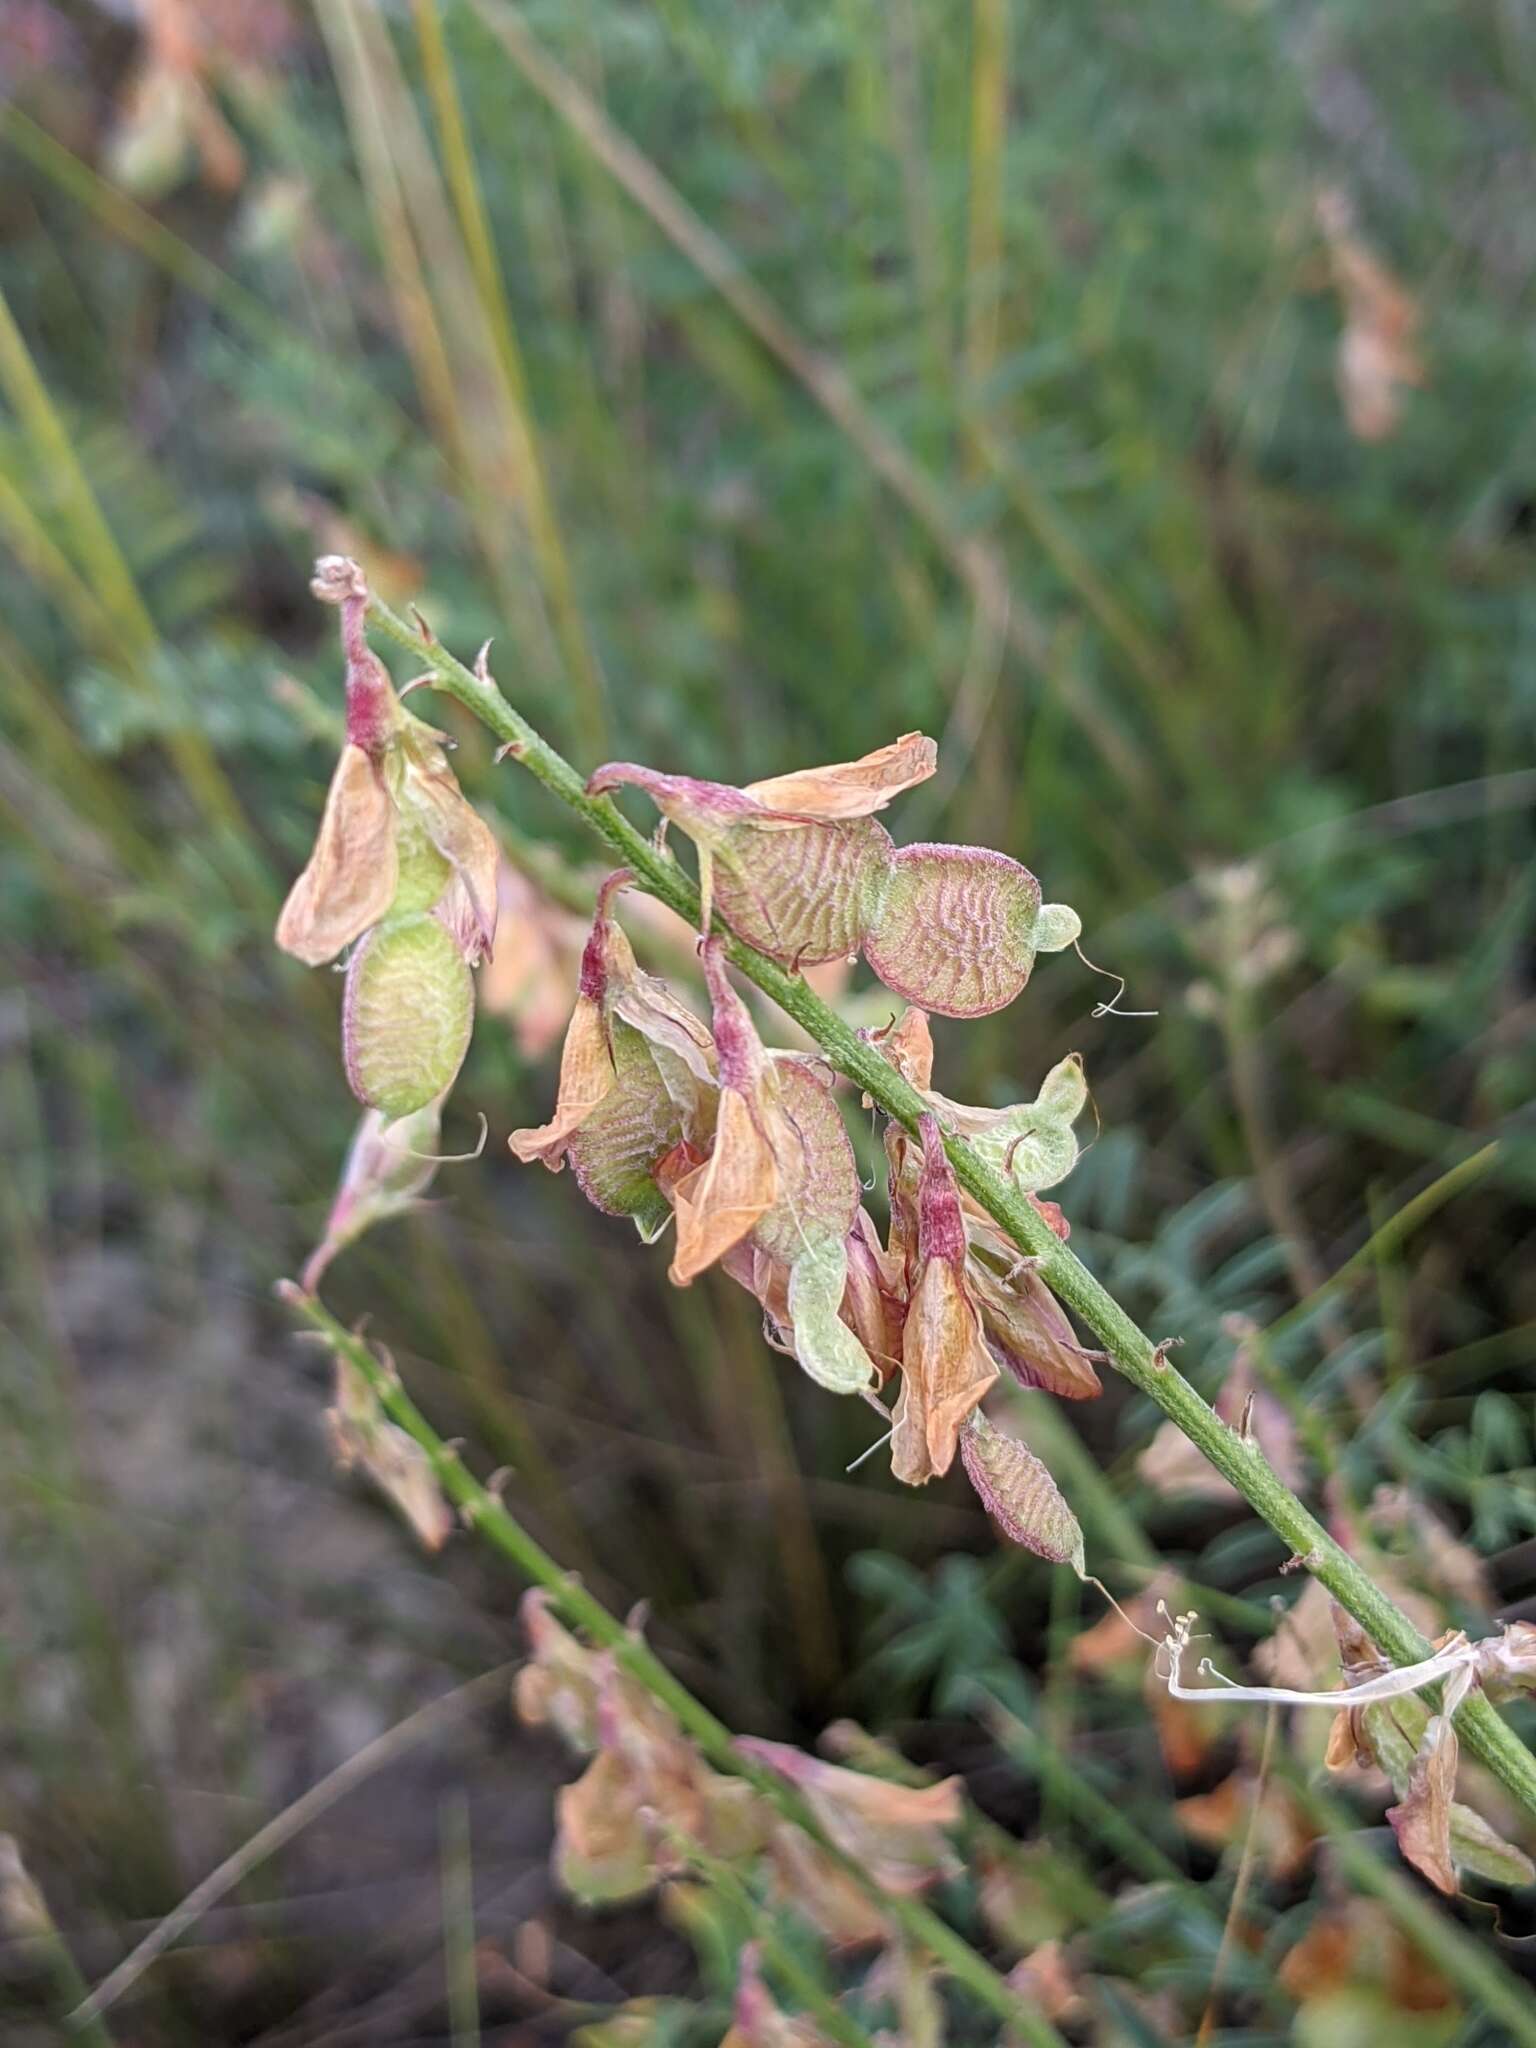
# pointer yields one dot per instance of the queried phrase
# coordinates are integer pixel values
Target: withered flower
(946, 1367)
(779, 1191)
(757, 2020)
(389, 1168)
(1418, 1751)
(648, 1796)
(796, 865)
(397, 835)
(402, 863)
(799, 867)
(636, 1079)
(1031, 1143)
(898, 1833)
(362, 1434)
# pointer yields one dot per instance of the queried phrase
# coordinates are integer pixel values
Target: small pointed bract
(1020, 1495)
(959, 927)
(946, 1366)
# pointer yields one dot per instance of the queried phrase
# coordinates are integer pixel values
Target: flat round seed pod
(802, 893)
(637, 1121)
(955, 931)
(407, 1015)
(818, 1175)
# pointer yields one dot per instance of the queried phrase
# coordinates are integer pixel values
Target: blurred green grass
(1036, 446)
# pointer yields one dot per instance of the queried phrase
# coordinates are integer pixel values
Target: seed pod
(1020, 1495)
(407, 1015)
(959, 928)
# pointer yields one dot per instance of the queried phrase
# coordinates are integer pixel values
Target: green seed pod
(803, 894)
(633, 1125)
(423, 873)
(407, 1015)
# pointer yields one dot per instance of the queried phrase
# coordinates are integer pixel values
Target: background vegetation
(768, 380)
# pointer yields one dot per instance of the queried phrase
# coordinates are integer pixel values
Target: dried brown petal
(897, 1832)
(850, 789)
(1027, 1331)
(1422, 1820)
(362, 1434)
(586, 1075)
(561, 1682)
(946, 1367)
(350, 879)
(719, 1204)
(529, 978)
(908, 1045)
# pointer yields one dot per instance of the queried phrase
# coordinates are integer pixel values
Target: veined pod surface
(959, 928)
(803, 894)
(407, 1015)
(635, 1123)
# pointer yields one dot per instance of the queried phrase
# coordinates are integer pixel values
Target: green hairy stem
(1128, 1348)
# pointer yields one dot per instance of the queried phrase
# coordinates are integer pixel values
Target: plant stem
(486, 1514)
(1130, 1350)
